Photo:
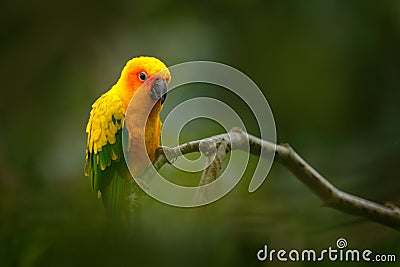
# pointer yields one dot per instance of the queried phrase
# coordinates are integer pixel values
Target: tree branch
(331, 196)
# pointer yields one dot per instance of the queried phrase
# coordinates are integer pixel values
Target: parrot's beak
(159, 90)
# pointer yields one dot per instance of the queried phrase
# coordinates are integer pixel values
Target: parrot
(105, 162)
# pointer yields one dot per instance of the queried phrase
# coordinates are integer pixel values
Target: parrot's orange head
(149, 70)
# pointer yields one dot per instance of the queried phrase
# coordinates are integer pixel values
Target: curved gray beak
(159, 90)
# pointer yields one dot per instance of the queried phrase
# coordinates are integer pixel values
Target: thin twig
(331, 196)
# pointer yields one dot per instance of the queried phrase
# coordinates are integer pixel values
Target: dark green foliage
(330, 71)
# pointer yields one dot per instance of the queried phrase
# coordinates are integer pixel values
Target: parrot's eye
(143, 76)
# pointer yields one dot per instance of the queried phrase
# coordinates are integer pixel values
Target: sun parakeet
(105, 163)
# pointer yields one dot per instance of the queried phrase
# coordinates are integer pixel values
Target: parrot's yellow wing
(105, 163)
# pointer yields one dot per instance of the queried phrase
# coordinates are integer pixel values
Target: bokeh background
(330, 71)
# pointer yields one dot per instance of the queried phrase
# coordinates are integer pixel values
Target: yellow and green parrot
(105, 163)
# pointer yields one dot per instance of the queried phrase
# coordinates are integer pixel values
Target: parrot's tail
(115, 198)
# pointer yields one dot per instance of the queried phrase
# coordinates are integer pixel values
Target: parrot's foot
(169, 153)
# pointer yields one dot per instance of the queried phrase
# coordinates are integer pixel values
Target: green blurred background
(330, 71)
